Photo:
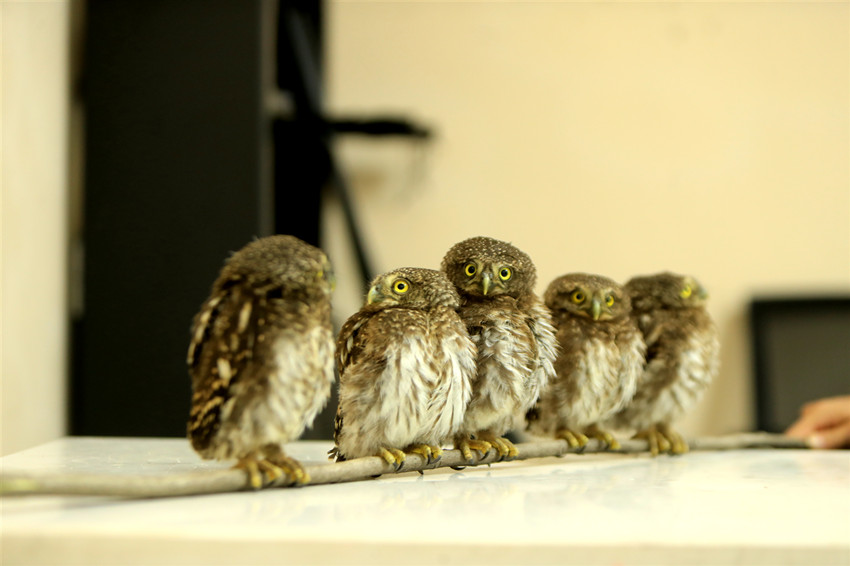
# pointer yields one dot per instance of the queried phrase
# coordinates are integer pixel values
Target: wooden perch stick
(221, 481)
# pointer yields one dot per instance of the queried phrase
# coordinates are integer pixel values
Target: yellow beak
(596, 308)
(486, 282)
(374, 295)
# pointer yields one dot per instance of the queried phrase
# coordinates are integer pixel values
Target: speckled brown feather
(682, 349)
(405, 362)
(599, 361)
(512, 330)
(260, 356)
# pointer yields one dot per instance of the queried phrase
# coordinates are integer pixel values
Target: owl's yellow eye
(505, 273)
(470, 269)
(577, 297)
(609, 300)
(401, 286)
(686, 292)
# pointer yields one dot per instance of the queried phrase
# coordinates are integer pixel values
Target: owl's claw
(506, 449)
(574, 438)
(392, 456)
(678, 444)
(662, 438)
(603, 436)
(266, 472)
(252, 469)
(467, 445)
(431, 453)
(291, 468)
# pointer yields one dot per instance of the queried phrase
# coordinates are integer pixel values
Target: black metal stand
(178, 135)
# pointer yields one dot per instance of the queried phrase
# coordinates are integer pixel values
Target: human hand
(824, 423)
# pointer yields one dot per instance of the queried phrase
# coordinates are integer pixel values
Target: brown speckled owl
(682, 356)
(513, 333)
(405, 363)
(261, 357)
(600, 359)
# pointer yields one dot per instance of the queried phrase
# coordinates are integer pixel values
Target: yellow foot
(264, 472)
(392, 456)
(678, 444)
(573, 437)
(662, 438)
(505, 448)
(291, 467)
(430, 452)
(603, 436)
(466, 445)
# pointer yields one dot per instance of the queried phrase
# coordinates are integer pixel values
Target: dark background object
(174, 182)
(801, 352)
(186, 162)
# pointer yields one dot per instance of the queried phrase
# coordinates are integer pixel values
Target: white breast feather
(697, 367)
(299, 385)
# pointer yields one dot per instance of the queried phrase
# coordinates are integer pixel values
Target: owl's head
(412, 287)
(280, 266)
(485, 267)
(588, 296)
(665, 291)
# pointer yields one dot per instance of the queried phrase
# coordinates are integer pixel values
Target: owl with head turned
(682, 356)
(514, 338)
(405, 364)
(600, 358)
(261, 357)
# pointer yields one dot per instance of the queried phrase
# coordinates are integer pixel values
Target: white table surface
(735, 507)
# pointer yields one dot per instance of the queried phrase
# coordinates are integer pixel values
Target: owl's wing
(334, 452)
(221, 346)
(347, 345)
(348, 348)
(543, 330)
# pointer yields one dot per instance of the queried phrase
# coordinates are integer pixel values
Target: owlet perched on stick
(261, 357)
(600, 359)
(682, 356)
(405, 364)
(513, 333)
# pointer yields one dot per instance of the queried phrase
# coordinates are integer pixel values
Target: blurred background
(142, 142)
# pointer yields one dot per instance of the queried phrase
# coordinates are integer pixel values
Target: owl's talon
(506, 449)
(282, 466)
(602, 436)
(574, 438)
(467, 445)
(677, 444)
(267, 472)
(252, 470)
(651, 436)
(662, 438)
(437, 453)
(392, 456)
(430, 453)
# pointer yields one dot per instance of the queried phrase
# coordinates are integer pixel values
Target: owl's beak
(486, 282)
(596, 308)
(374, 295)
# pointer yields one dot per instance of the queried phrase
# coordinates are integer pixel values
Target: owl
(405, 366)
(600, 359)
(261, 357)
(682, 356)
(513, 334)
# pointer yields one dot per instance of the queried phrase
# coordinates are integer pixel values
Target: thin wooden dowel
(229, 480)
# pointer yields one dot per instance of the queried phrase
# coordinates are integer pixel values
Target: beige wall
(617, 138)
(33, 172)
